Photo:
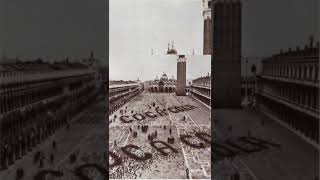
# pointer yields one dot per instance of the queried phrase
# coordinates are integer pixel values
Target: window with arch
(300, 72)
(305, 73)
(310, 72)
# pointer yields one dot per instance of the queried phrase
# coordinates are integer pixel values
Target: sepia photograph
(166, 89)
(159, 90)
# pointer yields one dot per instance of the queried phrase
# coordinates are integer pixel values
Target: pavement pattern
(169, 164)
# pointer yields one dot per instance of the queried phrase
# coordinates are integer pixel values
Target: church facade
(162, 85)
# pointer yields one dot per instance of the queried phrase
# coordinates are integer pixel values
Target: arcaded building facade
(37, 98)
(201, 89)
(288, 90)
(122, 92)
(162, 85)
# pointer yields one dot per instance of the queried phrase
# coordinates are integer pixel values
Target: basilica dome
(164, 77)
(171, 50)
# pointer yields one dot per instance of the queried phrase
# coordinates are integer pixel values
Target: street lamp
(246, 100)
(254, 72)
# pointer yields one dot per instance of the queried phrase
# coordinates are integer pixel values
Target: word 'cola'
(229, 148)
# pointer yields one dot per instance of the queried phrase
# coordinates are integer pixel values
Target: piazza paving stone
(164, 162)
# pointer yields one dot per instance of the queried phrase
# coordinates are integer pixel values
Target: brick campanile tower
(226, 59)
(207, 26)
(181, 76)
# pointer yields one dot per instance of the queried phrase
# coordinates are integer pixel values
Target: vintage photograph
(159, 90)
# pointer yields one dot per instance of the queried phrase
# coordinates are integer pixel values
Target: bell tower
(181, 76)
(207, 27)
(226, 61)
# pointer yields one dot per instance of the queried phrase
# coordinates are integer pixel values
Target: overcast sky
(53, 28)
(271, 25)
(60, 28)
(138, 26)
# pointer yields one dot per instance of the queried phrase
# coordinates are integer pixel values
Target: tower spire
(91, 54)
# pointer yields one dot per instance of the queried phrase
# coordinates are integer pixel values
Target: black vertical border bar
(211, 79)
(318, 31)
(106, 90)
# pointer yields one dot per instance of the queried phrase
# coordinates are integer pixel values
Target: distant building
(227, 53)
(101, 69)
(181, 76)
(288, 90)
(162, 85)
(247, 84)
(171, 51)
(120, 92)
(37, 98)
(200, 89)
(207, 27)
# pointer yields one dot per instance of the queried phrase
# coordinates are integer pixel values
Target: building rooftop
(38, 65)
(310, 50)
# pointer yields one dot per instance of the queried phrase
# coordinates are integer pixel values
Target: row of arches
(309, 72)
(13, 99)
(202, 91)
(115, 91)
(161, 89)
(301, 122)
(307, 97)
(118, 102)
(205, 100)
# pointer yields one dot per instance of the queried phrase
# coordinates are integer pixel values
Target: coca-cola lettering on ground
(128, 151)
(150, 114)
(240, 146)
(116, 158)
(156, 113)
(198, 140)
(161, 149)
